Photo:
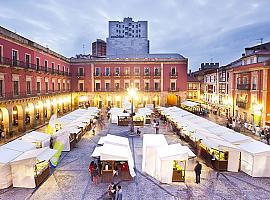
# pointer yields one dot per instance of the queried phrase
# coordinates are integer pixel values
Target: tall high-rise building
(99, 48)
(127, 38)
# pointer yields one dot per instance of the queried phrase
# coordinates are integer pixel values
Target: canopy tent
(189, 103)
(38, 138)
(255, 159)
(224, 146)
(114, 139)
(166, 156)
(19, 145)
(6, 156)
(236, 138)
(23, 167)
(151, 142)
(114, 152)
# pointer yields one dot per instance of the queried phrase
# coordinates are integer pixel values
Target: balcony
(173, 89)
(29, 66)
(243, 86)
(242, 104)
(30, 94)
(173, 75)
(80, 74)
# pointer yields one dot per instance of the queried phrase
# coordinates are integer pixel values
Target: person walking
(213, 158)
(95, 174)
(119, 195)
(198, 170)
(91, 169)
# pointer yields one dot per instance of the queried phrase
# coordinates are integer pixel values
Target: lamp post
(132, 94)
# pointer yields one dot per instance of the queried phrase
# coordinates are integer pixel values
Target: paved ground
(71, 179)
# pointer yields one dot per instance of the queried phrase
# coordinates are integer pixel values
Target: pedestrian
(138, 131)
(213, 158)
(95, 174)
(267, 137)
(111, 190)
(51, 142)
(1, 131)
(119, 195)
(157, 127)
(198, 171)
(93, 129)
(99, 166)
(90, 169)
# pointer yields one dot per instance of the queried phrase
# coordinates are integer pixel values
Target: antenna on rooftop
(261, 40)
(83, 49)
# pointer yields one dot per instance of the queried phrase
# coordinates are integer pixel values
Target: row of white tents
(251, 156)
(158, 156)
(19, 158)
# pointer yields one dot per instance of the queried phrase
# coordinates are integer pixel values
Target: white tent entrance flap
(151, 142)
(6, 156)
(255, 159)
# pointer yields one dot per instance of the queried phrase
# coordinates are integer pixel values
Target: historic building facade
(249, 86)
(36, 82)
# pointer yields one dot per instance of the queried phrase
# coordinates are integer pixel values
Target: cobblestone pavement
(71, 180)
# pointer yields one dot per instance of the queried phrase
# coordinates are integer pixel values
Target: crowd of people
(236, 124)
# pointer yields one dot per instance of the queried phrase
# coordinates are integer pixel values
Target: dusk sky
(197, 29)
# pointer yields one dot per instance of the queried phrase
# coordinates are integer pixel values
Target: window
(126, 85)
(173, 71)
(81, 73)
(64, 87)
(117, 86)
(107, 86)
(156, 86)
(127, 71)
(117, 71)
(37, 63)
(58, 69)
(97, 71)
(53, 86)
(14, 57)
(58, 88)
(254, 83)
(68, 86)
(173, 86)
(64, 69)
(137, 71)
(146, 71)
(16, 88)
(146, 86)
(81, 87)
(28, 87)
(27, 60)
(1, 54)
(46, 65)
(157, 73)
(52, 67)
(97, 86)
(38, 87)
(1, 88)
(107, 71)
(46, 87)
(137, 85)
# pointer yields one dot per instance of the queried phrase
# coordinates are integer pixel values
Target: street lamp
(132, 92)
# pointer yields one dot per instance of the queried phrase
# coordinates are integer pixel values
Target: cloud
(197, 29)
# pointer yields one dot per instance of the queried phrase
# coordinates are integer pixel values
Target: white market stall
(6, 156)
(19, 145)
(171, 163)
(114, 139)
(151, 142)
(31, 168)
(38, 138)
(115, 158)
(227, 155)
(255, 159)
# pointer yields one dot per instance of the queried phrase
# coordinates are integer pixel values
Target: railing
(242, 104)
(173, 89)
(80, 74)
(243, 86)
(123, 90)
(34, 93)
(30, 66)
(173, 74)
(192, 88)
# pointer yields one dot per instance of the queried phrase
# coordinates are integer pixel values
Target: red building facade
(36, 82)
